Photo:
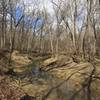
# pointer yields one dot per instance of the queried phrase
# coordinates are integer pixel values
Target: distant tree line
(73, 28)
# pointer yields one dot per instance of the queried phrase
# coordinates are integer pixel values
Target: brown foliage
(8, 92)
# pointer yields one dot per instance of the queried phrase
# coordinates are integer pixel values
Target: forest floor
(43, 77)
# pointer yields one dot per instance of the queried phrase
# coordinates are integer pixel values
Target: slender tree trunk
(12, 45)
(51, 43)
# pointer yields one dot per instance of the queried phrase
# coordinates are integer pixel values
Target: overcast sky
(40, 3)
(30, 5)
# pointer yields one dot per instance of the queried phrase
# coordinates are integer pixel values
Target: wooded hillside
(49, 54)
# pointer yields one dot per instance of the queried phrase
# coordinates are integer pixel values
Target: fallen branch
(58, 66)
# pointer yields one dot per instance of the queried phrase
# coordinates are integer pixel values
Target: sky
(40, 3)
(29, 22)
(31, 4)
